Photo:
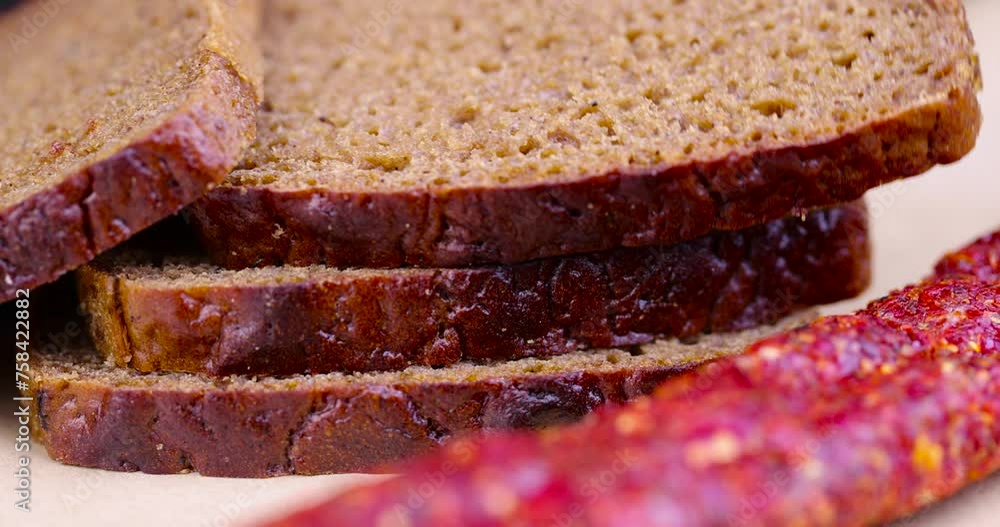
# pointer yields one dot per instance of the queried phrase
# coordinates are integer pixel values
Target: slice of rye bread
(182, 315)
(444, 133)
(114, 115)
(95, 415)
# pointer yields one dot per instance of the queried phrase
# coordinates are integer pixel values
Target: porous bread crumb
(441, 94)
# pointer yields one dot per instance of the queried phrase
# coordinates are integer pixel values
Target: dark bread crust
(258, 433)
(728, 281)
(94, 415)
(509, 225)
(100, 206)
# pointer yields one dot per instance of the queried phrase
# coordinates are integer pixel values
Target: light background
(915, 222)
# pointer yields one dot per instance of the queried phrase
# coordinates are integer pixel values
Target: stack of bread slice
(454, 216)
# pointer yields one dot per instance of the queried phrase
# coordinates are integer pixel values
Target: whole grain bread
(177, 314)
(95, 415)
(113, 115)
(444, 133)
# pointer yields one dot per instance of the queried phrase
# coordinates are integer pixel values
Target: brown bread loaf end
(111, 123)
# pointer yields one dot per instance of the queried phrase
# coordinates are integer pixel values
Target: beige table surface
(915, 222)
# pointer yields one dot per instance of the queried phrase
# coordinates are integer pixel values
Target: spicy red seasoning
(850, 421)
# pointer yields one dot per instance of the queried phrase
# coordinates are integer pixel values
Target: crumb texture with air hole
(439, 94)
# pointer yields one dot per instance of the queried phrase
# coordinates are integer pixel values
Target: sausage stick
(852, 420)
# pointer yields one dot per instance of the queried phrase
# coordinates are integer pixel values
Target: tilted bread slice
(445, 133)
(178, 313)
(114, 115)
(94, 415)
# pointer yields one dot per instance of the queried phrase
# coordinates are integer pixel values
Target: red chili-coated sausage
(850, 421)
